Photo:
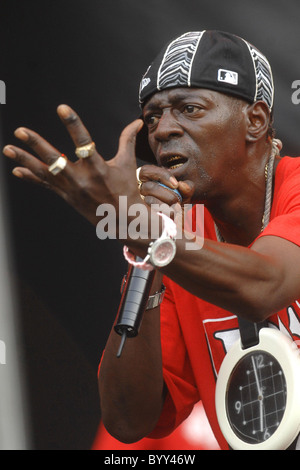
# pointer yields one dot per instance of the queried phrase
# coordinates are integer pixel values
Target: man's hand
(88, 182)
(154, 193)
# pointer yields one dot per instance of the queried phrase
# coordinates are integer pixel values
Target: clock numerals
(259, 360)
(238, 407)
(266, 434)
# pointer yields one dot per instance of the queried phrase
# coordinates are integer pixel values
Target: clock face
(256, 397)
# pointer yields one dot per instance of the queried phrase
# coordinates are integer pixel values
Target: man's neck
(239, 217)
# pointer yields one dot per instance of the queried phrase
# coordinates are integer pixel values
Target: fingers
(31, 164)
(155, 173)
(46, 151)
(28, 176)
(154, 179)
(154, 193)
(126, 150)
(186, 189)
(24, 173)
(158, 185)
(48, 154)
(34, 170)
(78, 132)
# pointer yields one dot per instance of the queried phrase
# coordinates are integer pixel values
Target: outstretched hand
(88, 182)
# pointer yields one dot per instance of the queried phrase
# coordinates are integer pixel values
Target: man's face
(199, 135)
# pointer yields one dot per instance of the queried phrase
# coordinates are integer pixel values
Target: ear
(258, 120)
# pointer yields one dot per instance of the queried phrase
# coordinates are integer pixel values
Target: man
(207, 106)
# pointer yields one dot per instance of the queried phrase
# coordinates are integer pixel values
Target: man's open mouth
(174, 161)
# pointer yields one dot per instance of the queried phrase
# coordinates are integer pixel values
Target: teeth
(175, 166)
(171, 163)
(175, 157)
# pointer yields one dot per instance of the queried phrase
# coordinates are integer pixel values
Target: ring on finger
(139, 182)
(85, 151)
(58, 165)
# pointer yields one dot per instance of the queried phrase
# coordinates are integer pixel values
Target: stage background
(91, 55)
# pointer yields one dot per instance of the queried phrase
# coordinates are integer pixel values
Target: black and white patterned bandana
(214, 60)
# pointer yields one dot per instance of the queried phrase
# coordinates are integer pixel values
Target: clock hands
(260, 395)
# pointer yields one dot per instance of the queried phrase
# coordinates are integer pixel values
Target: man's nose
(168, 127)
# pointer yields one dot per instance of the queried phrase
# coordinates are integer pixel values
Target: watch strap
(153, 300)
(156, 299)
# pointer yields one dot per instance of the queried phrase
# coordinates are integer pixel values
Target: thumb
(126, 150)
(186, 189)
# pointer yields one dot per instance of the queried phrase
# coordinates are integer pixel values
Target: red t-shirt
(196, 334)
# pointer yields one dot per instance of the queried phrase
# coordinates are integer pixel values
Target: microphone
(175, 191)
(133, 302)
(135, 297)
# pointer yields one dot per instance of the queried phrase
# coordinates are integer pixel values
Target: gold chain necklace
(276, 147)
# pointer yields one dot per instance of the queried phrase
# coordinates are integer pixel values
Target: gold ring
(138, 177)
(86, 150)
(58, 165)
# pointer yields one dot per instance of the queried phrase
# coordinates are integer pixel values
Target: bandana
(213, 60)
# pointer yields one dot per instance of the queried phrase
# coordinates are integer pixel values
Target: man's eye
(151, 120)
(190, 108)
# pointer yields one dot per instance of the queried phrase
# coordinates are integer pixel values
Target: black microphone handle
(133, 302)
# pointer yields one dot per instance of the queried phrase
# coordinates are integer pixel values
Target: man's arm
(251, 283)
(131, 386)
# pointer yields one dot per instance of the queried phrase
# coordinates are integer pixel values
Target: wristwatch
(162, 251)
(258, 393)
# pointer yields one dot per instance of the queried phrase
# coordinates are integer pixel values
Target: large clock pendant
(258, 393)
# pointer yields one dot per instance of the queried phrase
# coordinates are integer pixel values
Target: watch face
(162, 252)
(256, 397)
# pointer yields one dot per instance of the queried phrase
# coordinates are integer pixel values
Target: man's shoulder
(289, 164)
(287, 181)
(288, 170)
